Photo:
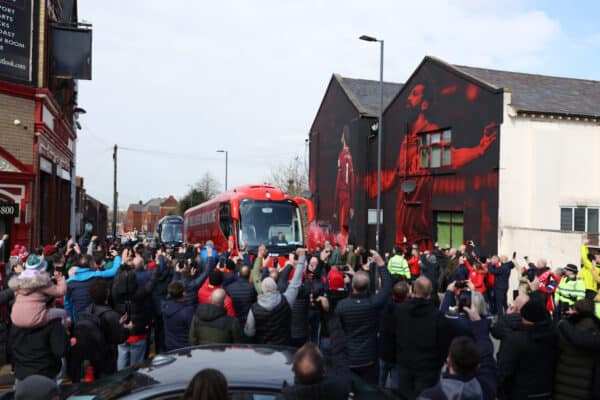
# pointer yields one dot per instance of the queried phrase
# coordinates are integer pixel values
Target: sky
(177, 80)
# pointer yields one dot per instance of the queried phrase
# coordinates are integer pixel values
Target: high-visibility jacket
(398, 265)
(586, 271)
(569, 291)
(597, 310)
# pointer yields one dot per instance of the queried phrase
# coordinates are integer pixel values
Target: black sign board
(71, 53)
(9, 210)
(15, 39)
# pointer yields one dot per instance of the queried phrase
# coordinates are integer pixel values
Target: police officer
(570, 289)
(398, 266)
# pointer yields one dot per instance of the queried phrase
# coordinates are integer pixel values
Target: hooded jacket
(211, 324)
(526, 362)
(422, 335)
(480, 386)
(574, 375)
(38, 351)
(29, 309)
(177, 318)
(269, 300)
(337, 382)
(359, 315)
(78, 297)
(243, 295)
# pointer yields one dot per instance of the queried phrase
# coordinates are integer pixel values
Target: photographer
(359, 317)
(460, 296)
(470, 368)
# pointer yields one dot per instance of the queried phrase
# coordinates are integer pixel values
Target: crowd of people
(417, 322)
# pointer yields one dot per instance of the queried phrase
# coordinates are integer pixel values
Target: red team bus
(250, 215)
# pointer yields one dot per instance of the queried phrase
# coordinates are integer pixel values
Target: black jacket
(132, 295)
(163, 278)
(505, 325)
(359, 315)
(387, 332)
(243, 295)
(337, 383)
(422, 335)
(299, 327)
(192, 285)
(211, 324)
(578, 343)
(38, 351)
(526, 362)
(113, 330)
(177, 319)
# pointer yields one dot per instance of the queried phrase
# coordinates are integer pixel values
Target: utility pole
(115, 195)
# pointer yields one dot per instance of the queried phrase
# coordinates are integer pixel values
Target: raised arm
(292, 291)
(385, 291)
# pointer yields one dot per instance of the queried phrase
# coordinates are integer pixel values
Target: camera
(464, 299)
(461, 284)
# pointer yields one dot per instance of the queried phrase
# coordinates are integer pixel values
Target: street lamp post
(379, 136)
(226, 164)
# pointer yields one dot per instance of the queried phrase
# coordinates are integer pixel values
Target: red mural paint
(471, 92)
(449, 90)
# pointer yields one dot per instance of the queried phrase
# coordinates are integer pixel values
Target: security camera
(17, 122)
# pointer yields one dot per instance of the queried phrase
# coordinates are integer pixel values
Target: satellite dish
(408, 186)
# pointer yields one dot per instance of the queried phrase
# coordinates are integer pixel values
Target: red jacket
(413, 265)
(477, 277)
(490, 279)
(204, 297)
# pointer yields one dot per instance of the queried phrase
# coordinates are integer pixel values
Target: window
(449, 226)
(435, 149)
(579, 219)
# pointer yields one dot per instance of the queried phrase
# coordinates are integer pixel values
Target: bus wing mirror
(310, 208)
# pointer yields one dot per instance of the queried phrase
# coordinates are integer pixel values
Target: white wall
(546, 164)
(558, 248)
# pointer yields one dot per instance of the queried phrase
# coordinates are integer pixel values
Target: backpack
(89, 330)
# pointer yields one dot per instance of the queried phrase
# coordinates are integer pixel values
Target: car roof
(244, 366)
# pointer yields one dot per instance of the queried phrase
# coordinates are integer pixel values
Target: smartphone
(514, 255)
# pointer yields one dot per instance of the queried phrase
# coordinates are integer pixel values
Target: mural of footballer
(413, 220)
(344, 186)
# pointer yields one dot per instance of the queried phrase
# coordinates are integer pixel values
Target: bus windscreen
(275, 224)
(171, 232)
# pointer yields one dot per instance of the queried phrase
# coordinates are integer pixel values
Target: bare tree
(291, 177)
(208, 185)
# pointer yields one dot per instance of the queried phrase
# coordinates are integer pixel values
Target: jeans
(131, 354)
(388, 369)
(325, 346)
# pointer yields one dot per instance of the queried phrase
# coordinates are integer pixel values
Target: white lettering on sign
(203, 218)
(9, 210)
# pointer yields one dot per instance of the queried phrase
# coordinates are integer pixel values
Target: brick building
(38, 112)
(143, 217)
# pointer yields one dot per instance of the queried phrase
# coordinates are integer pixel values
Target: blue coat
(177, 318)
(78, 296)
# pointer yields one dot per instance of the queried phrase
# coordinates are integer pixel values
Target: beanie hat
(36, 387)
(269, 285)
(571, 267)
(534, 311)
(35, 262)
(336, 280)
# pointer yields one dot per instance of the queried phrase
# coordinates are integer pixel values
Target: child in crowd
(32, 288)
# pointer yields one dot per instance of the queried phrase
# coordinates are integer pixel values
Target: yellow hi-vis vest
(570, 291)
(399, 266)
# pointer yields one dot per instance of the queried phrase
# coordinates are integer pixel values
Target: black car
(253, 372)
